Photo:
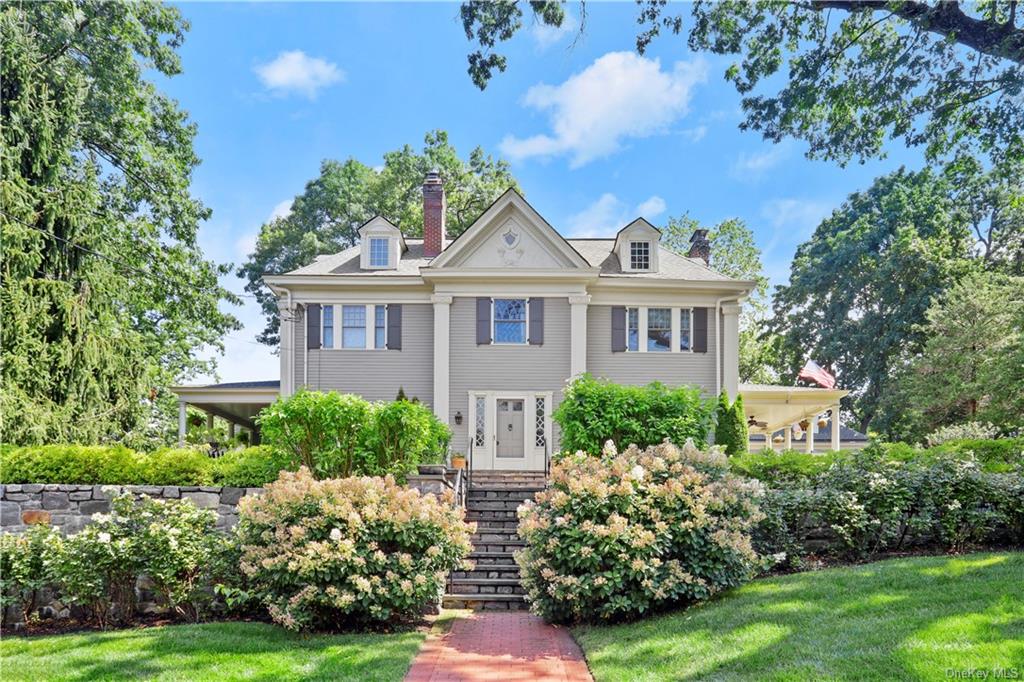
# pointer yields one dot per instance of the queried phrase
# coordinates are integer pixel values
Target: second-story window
(378, 252)
(685, 325)
(353, 326)
(380, 318)
(659, 329)
(326, 326)
(640, 255)
(510, 320)
(633, 329)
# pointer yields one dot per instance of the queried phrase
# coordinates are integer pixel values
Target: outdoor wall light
(458, 419)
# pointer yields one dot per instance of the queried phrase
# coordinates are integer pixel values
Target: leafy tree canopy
(945, 75)
(326, 216)
(105, 293)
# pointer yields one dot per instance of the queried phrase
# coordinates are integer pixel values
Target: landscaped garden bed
(914, 618)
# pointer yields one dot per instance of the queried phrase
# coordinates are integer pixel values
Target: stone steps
(491, 502)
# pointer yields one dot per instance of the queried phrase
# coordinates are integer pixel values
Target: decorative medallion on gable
(509, 250)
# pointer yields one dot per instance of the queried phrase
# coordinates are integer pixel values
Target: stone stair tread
(485, 597)
(486, 581)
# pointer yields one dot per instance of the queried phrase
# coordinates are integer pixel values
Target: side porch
(237, 403)
(796, 413)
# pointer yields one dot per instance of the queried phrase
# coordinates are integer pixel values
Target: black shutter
(394, 341)
(700, 330)
(312, 325)
(536, 321)
(618, 329)
(483, 321)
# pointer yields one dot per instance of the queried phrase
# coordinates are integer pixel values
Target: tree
(105, 294)
(731, 425)
(859, 288)
(734, 253)
(945, 75)
(972, 364)
(326, 216)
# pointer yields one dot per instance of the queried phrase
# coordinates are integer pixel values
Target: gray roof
(598, 252)
(273, 383)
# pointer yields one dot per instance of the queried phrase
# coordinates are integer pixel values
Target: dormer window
(639, 255)
(379, 252)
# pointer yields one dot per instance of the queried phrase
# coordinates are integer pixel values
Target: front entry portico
(509, 430)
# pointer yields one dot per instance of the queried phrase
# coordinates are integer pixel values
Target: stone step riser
(490, 574)
(506, 547)
(495, 563)
(496, 526)
(484, 590)
(510, 537)
(493, 505)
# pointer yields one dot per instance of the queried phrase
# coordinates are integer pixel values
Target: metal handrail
(547, 460)
(469, 461)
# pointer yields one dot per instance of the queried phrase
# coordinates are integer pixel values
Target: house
(488, 328)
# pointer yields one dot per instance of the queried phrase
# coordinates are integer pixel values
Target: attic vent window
(378, 252)
(639, 255)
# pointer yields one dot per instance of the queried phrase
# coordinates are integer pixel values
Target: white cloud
(245, 244)
(545, 36)
(753, 166)
(609, 214)
(621, 95)
(281, 210)
(695, 134)
(651, 208)
(295, 71)
(795, 215)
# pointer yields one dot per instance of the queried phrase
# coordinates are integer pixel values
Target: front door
(510, 452)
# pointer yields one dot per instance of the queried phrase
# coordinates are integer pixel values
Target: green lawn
(220, 651)
(909, 619)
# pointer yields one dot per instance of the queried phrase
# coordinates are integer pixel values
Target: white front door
(509, 430)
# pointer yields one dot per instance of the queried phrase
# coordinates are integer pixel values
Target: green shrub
(251, 467)
(176, 466)
(81, 464)
(595, 411)
(171, 541)
(323, 553)
(401, 435)
(323, 431)
(617, 535)
(782, 468)
(964, 431)
(23, 570)
(731, 425)
(999, 454)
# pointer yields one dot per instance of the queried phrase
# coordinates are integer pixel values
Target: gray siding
(375, 374)
(511, 368)
(673, 369)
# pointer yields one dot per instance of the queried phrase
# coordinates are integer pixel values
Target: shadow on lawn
(251, 651)
(901, 619)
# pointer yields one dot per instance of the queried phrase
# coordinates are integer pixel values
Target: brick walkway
(500, 646)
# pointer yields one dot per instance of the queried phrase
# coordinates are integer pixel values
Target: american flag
(812, 371)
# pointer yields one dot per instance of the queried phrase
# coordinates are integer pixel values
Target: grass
(911, 619)
(221, 651)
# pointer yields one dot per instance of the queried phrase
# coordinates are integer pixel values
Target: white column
(287, 349)
(182, 419)
(788, 436)
(442, 354)
(578, 334)
(731, 349)
(835, 427)
(770, 439)
(809, 435)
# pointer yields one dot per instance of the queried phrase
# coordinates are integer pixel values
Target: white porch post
(182, 414)
(209, 421)
(442, 355)
(835, 427)
(770, 440)
(788, 437)
(809, 437)
(578, 334)
(730, 349)
(231, 429)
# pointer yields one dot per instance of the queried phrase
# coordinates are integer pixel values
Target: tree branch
(1002, 40)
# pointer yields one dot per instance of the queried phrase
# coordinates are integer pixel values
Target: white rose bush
(618, 535)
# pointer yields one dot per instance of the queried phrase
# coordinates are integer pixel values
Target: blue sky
(596, 134)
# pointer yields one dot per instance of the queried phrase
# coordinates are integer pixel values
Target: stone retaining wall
(70, 507)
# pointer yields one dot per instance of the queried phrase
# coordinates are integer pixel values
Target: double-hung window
(659, 329)
(633, 329)
(326, 326)
(685, 325)
(640, 255)
(378, 252)
(380, 323)
(353, 326)
(510, 320)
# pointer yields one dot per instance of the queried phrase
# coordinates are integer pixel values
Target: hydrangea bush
(325, 553)
(621, 534)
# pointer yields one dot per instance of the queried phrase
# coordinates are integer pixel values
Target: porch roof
(237, 401)
(782, 406)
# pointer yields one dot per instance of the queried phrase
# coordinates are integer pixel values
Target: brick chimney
(700, 247)
(434, 208)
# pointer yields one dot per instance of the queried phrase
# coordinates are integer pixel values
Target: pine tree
(731, 425)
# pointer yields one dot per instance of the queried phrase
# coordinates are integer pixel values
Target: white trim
(442, 355)
(578, 306)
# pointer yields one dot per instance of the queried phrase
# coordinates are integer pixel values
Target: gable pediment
(510, 235)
